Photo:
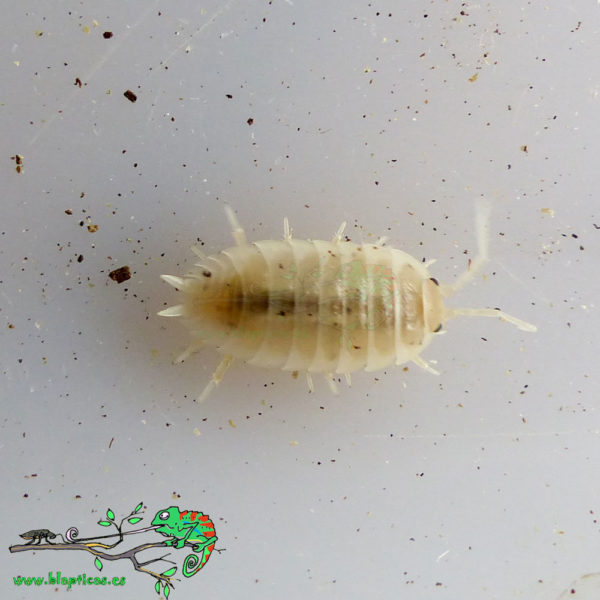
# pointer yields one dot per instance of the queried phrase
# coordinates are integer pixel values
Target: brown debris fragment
(121, 274)
(130, 96)
(18, 158)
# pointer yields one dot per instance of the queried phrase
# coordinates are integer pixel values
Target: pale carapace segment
(330, 307)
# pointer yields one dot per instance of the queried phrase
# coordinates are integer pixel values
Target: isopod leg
(287, 230)
(482, 231)
(239, 235)
(172, 311)
(198, 252)
(191, 349)
(309, 382)
(492, 312)
(337, 238)
(216, 378)
(425, 365)
(177, 282)
(332, 383)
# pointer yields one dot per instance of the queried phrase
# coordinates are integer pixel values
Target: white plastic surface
(479, 484)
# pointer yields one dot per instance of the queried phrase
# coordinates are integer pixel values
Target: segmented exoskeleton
(330, 307)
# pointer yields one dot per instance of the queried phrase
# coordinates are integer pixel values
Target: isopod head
(433, 306)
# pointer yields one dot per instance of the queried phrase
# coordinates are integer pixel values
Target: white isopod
(318, 306)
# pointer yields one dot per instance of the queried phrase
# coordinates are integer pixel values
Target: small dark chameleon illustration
(38, 535)
(187, 528)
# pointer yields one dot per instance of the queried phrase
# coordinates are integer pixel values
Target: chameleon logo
(187, 528)
(176, 528)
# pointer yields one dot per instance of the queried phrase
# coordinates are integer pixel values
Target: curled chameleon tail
(193, 563)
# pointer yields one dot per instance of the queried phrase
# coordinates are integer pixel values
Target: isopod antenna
(482, 231)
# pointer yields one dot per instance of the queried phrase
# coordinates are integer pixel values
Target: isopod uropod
(330, 307)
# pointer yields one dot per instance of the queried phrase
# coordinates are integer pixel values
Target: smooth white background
(481, 483)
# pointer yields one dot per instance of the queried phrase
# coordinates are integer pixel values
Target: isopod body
(317, 306)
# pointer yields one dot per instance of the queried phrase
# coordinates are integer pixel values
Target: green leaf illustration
(167, 591)
(105, 523)
(138, 507)
(110, 514)
(134, 520)
(157, 587)
(98, 564)
(169, 572)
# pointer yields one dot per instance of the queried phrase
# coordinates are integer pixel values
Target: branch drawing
(181, 528)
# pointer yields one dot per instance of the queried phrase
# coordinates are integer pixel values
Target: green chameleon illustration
(187, 528)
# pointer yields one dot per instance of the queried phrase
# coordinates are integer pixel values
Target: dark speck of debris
(130, 96)
(120, 275)
(78, 82)
(250, 121)
(80, 258)
(230, 96)
(107, 35)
